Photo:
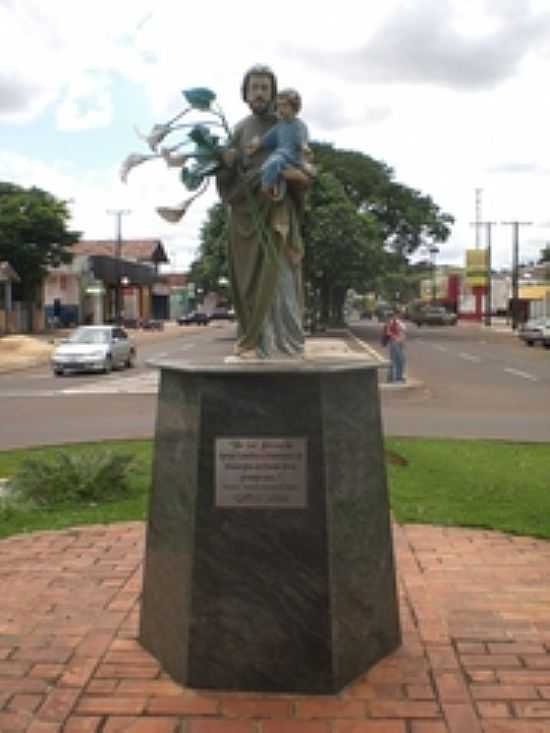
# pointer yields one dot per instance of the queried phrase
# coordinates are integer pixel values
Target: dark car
(195, 317)
(434, 315)
(222, 314)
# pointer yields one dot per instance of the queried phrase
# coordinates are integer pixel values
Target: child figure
(288, 140)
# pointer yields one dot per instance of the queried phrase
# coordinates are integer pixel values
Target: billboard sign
(476, 267)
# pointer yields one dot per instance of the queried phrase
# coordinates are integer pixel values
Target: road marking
(469, 357)
(168, 354)
(366, 347)
(524, 375)
(144, 383)
(439, 348)
(28, 393)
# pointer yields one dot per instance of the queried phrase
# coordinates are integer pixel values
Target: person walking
(394, 336)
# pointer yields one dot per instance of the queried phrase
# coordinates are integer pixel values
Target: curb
(409, 384)
(141, 337)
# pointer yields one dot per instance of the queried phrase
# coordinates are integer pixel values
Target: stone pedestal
(269, 562)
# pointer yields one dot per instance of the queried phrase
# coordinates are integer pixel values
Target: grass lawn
(472, 483)
(481, 483)
(132, 507)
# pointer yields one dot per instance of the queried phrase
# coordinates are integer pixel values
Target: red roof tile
(143, 250)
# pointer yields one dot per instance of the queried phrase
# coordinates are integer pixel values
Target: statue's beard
(259, 106)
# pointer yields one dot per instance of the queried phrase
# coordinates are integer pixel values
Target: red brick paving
(475, 610)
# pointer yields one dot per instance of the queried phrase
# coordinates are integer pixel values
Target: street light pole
(118, 214)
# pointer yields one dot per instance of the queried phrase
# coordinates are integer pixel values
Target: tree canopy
(33, 233)
(359, 226)
(211, 265)
(407, 218)
(342, 245)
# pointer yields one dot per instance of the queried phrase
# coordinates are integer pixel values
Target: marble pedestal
(269, 562)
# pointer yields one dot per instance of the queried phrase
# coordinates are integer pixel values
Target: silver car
(535, 331)
(94, 348)
(434, 315)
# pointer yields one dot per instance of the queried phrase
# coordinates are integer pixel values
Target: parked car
(94, 348)
(152, 324)
(197, 317)
(535, 331)
(433, 315)
(222, 314)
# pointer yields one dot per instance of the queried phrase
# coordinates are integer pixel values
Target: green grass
(130, 508)
(491, 484)
(482, 483)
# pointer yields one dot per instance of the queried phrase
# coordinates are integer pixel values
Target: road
(474, 383)
(40, 409)
(477, 383)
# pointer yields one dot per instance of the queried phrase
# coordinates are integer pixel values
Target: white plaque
(257, 473)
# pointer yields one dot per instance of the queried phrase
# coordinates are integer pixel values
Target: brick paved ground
(476, 655)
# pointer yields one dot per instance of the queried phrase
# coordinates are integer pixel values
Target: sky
(451, 94)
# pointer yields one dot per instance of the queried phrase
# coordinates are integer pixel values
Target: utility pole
(515, 266)
(118, 214)
(434, 251)
(488, 266)
(479, 191)
(489, 300)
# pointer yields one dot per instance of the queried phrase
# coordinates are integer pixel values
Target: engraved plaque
(256, 473)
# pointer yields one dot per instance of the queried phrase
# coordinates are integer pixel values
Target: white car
(94, 348)
(535, 331)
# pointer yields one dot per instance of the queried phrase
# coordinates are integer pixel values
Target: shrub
(72, 478)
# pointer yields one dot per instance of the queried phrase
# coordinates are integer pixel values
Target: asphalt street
(476, 383)
(463, 382)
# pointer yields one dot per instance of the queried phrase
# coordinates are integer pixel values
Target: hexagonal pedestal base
(269, 562)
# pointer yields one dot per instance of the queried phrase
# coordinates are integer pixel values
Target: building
(453, 290)
(107, 280)
(180, 294)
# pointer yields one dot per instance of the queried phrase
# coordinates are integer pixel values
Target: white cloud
(86, 103)
(421, 43)
(330, 112)
(94, 193)
(449, 93)
(48, 50)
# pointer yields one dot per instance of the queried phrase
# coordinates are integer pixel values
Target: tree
(408, 219)
(211, 264)
(33, 235)
(359, 228)
(400, 281)
(342, 247)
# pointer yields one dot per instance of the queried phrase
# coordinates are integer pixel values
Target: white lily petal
(172, 214)
(156, 136)
(132, 161)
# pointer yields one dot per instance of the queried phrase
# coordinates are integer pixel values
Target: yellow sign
(476, 267)
(534, 292)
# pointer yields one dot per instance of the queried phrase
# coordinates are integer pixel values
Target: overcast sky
(451, 94)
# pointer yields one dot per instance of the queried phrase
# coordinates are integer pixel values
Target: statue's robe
(265, 251)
